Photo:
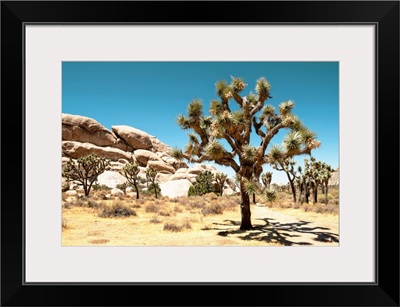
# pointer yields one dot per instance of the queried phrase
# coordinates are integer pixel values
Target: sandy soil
(272, 227)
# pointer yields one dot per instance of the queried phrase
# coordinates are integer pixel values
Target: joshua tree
(235, 125)
(220, 179)
(131, 172)
(85, 170)
(151, 174)
(266, 179)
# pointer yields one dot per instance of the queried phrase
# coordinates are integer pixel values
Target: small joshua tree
(85, 170)
(131, 171)
(151, 174)
(234, 126)
(266, 179)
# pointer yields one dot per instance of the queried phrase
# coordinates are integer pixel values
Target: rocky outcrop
(143, 156)
(86, 130)
(334, 180)
(82, 136)
(161, 166)
(76, 150)
(135, 138)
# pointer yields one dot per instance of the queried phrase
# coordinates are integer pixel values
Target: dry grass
(187, 221)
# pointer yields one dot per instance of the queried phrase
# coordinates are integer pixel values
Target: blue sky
(150, 95)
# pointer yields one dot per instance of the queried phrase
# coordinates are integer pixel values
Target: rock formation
(82, 136)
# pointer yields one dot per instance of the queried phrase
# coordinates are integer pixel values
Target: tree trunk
(245, 211)
(85, 188)
(307, 193)
(315, 192)
(326, 195)
(137, 190)
(254, 198)
(291, 184)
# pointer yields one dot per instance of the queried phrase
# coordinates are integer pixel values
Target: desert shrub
(117, 209)
(100, 187)
(164, 213)
(123, 186)
(66, 205)
(171, 226)
(177, 227)
(64, 223)
(178, 209)
(151, 208)
(204, 184)
(212, 209)
(198, 205)
(92, 204)
(186, 224)
(155, 219)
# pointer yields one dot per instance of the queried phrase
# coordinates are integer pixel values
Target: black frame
(383, 14)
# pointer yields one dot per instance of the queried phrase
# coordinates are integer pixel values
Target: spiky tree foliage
(220, 180)
(151, 174)
(85, 170)
(270, 195)
(266, 179)
(131, 171)
(316, 174)
(319, 174)
(234, 124)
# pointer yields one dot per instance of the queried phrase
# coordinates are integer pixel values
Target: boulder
(175, 188)
(176, 164)
(161, 166)
(84, 129)
(160, 177)
(117, 192)
(72, 193)
(159, 146)
(111, 179)
(180, 176)
(76, 150)
(143, 156)
(135, 138)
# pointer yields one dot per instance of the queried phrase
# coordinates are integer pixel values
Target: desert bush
(117, 209)
(151, 208)
(164, 213)
(204, 184)
(155, 219)
(212, 209)
(178, 209)
(177, 227)
(100, 187)
(171, 226)
(64, 223)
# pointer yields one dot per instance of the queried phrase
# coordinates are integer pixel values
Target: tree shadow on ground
(276, 232)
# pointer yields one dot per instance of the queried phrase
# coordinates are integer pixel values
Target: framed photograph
(246, 155)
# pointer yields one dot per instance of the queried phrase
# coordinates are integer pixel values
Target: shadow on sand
(276, 232)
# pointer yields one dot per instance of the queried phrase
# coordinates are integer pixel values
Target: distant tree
(131, 171)
(235, 126)
(204, 184)
(151, 174)
(85, 170)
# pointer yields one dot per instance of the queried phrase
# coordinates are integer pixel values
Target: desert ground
(207, 220)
